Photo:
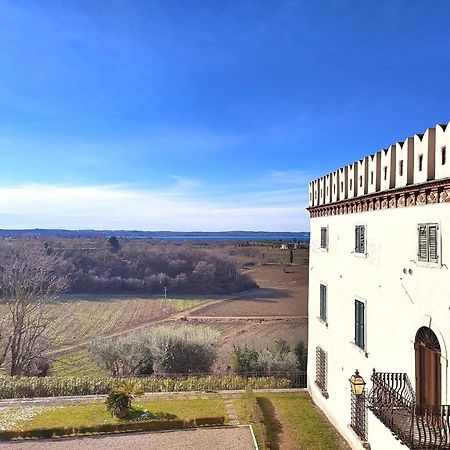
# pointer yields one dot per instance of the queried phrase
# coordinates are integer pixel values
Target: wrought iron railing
(359, 415)
(392, 401)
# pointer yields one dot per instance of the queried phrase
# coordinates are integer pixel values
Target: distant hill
(170, 235)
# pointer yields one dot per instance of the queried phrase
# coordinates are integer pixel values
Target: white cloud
(177, 209)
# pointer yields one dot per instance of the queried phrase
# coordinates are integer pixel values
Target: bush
(245, 360)
(184, 349)
(124, 356)
(119, 400)
(301, 353)
(269, 361)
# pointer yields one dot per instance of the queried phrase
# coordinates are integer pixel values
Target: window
(321, 370)
(324, 238)
(400, 167)
(371, 177)
(360, 181)
(428, 242)
(385, 172)
(342, 186)
(420, 159)
(360, 239)
(323, 302)
(351, 184)
(360, 320)
(443, 155)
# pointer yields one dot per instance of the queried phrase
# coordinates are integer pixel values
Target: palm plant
(119, 400)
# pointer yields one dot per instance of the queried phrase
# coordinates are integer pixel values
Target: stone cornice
(437, 191)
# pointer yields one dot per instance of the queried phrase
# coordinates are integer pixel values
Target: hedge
(124, 427)
(257, 418)
(28, 387)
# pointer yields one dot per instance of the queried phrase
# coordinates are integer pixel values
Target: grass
(76, 364)
(95, 413)
(79, 319)
(294, 416)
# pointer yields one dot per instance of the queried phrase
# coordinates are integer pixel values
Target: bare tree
(29, 279)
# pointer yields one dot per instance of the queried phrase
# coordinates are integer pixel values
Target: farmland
(256, 318)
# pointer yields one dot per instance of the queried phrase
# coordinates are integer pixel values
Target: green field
(95, 413)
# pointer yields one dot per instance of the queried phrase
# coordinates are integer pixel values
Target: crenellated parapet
(418, 160)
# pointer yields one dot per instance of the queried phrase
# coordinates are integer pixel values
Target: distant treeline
(113, 266)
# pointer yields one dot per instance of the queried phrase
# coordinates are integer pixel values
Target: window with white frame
(324, 238)
(360, 239)
(428, 247)
(323, 302)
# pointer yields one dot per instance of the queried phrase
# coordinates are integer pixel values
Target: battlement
(418, 159)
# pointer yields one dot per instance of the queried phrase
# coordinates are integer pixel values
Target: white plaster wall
(311, 193)
(343, 183)
(335, 188)
(388, 171)
(361, 185)
(321, 190)
(424, 146)
(397, 304)
(404, 151)
(328, 188)
(352, 178)
(442, 141)
(316, 192)
(374, 164)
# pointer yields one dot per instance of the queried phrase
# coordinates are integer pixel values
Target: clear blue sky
(204, 115)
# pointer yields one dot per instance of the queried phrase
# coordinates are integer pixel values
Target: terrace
(393, 401)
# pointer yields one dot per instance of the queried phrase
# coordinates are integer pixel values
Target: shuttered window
(360, 239)
(323, 302)
(324, 237)
(360, 324)
(428, 242)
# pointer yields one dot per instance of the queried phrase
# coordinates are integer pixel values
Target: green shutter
(433, 242)
(359, 324)
(422, 253)
(323, 302)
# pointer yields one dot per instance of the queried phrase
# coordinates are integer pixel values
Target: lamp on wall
(357, 383)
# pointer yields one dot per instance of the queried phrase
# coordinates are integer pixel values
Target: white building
(379, 295)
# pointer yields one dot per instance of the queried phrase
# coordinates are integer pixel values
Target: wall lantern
(357, 383)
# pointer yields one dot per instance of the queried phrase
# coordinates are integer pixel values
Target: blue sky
(204, 115)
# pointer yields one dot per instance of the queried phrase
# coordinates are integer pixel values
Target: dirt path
(224, 438)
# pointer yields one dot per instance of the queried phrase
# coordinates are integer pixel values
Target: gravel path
(225, 438)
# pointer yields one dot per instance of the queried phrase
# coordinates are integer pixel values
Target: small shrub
(184, 349)
(245, 360)
(119, 400)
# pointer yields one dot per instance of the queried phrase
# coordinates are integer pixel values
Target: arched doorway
(428, 367)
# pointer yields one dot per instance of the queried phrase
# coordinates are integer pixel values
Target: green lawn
(301, 423)
(92, 414)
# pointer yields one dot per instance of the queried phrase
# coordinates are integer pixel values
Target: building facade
(379, 295)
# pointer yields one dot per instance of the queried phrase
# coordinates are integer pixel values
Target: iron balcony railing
(392, 401)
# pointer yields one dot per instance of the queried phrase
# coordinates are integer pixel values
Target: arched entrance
(428, 367)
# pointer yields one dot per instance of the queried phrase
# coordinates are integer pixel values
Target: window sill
(323, 249)
(430, 265)
(360, 255)
(361, 350)
(323, 322)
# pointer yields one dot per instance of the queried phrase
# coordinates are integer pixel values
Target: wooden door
(428, 375)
